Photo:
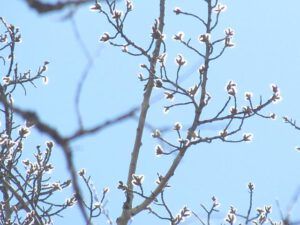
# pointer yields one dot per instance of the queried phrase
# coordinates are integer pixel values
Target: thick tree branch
(127, 207)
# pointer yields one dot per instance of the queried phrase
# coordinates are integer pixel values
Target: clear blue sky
(267, 51)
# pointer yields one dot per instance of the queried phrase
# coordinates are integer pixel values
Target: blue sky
(267, 51)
